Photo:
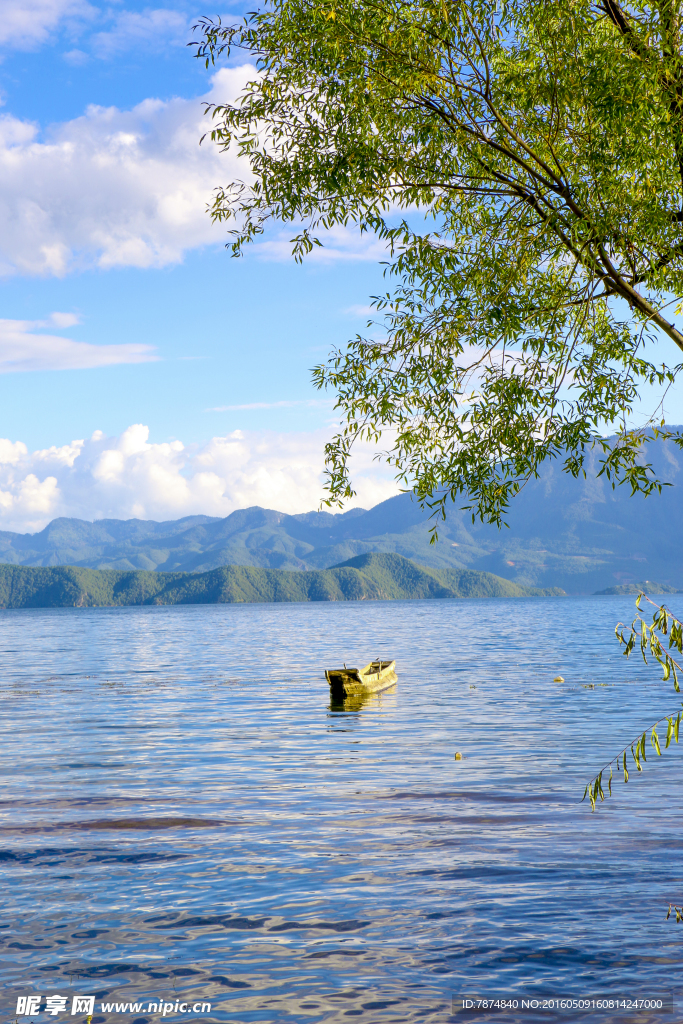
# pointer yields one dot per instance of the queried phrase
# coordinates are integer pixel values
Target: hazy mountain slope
(576, 534)
(584, 536)
(76, 542)
(384, 577)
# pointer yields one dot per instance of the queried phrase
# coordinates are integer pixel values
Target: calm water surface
(184, 817)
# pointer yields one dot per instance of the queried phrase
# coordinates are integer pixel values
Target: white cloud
(11, 453)
(152, 28)
(22, 349)
(118, 188)
(128, 477)
(77, 58)
(25, 24)
(61, 320)
(364, 311)
(112, 188)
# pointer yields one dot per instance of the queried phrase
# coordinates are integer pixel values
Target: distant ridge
(647, 587)
(383, 577)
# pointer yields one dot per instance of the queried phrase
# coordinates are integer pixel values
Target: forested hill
(579, 535)
(367, 577)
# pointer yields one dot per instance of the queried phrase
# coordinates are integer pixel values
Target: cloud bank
(127, 477)
(27, 24)
(152, 28)
(24, 348)
(30, 24)
(112, 188)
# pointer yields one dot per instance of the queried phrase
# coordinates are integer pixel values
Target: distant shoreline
(378, 577)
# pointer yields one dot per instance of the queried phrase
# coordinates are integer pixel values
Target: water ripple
(216, 830)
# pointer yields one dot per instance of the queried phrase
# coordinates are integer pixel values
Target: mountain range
(576, 534)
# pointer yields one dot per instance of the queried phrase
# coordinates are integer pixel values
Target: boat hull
(375, 677)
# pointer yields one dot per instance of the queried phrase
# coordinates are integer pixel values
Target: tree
(523, 162)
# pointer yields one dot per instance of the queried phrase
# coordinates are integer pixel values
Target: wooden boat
(377, 676)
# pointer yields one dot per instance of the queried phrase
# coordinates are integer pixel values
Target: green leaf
(654, 740)
(636, 756)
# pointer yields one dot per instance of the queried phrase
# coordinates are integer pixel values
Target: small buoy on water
(458, 756)
(558, 679)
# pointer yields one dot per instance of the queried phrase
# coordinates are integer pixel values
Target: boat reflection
(357, 701)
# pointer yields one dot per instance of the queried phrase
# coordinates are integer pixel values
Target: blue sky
(120, 304)
(143, 372)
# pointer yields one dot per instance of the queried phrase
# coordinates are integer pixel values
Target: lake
(186, 820)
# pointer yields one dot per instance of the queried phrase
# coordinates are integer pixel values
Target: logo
(29, 1006)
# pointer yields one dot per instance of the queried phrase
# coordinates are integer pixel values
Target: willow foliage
(656, 639)
(538, 147)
